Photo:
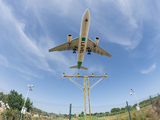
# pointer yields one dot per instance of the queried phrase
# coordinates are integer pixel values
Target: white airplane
(82, 43)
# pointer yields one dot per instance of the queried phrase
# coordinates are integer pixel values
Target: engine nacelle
(69, 38)
(96, 40)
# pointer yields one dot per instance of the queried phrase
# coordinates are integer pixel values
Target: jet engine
(96, 40)
(69, 38)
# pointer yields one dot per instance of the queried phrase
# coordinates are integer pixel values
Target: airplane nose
(86, 15)
(87, 11)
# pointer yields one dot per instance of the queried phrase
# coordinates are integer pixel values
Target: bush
(10, 114)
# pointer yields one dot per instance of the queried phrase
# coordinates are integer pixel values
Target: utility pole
(23, 108)
(86, 89)
(138, 107)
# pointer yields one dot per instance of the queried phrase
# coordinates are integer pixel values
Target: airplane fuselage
(83, 37)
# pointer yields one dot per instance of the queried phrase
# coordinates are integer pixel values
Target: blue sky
(128, 29)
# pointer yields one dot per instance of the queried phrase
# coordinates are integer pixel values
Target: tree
(130, 108)
(15, 101)
(113, 110)
(134, 106)
(95, 114)
(73, 115)
(106, 113)
(122, 110)
(3, 97)
(82, 114)
(28, 105)
(101, 114)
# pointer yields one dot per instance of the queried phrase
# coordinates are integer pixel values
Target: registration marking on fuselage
(82, 45)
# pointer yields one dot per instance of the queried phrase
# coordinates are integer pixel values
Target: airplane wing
(95, 48)
(73, 45)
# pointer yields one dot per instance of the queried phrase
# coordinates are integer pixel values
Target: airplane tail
(80, 67)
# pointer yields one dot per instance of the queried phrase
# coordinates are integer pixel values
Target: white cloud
(127, 7)
(125, 29)
(57, 7)
(3, 60)
(154, 45)
(129, 37)
(129, 41)
(14, 30)
(25, 70)
(28, 53)
(150, 69)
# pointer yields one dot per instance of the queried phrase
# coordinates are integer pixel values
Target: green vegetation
(16, 101)
(3, 97)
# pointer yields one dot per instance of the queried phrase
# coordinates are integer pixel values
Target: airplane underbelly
(80, 57)
(82, 48)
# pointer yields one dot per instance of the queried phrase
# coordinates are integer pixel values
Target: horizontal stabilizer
(74, 67)
(83, 68)
(80, 67)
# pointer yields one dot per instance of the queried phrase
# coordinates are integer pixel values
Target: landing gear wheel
(89, 52)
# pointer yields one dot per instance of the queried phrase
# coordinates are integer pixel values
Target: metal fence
(50, 111)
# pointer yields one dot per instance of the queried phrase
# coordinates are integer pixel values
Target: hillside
(115, 113)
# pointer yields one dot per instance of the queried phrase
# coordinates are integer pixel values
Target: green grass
(147, 113)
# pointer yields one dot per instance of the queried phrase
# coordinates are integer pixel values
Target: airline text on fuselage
(82, 47)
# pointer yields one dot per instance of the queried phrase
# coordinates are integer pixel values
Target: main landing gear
(89, 52)
(74, 50)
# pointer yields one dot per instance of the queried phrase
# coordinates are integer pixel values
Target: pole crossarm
(78, 85)
(87, 76)
(96, 83)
